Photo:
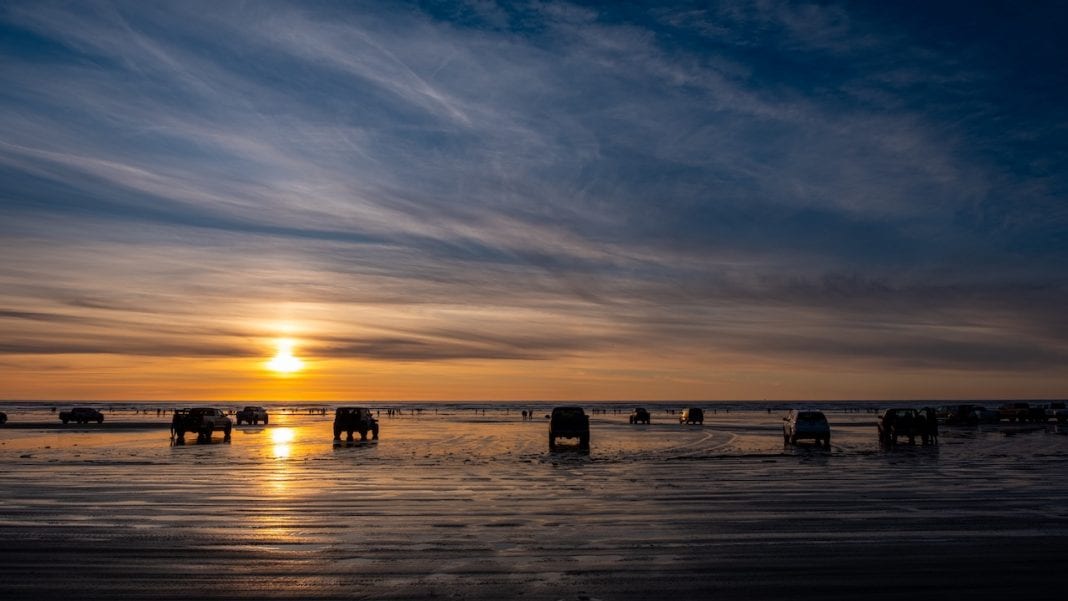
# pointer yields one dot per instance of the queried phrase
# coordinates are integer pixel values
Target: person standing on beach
(932, 424)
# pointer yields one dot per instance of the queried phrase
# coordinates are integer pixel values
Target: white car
(799, 424)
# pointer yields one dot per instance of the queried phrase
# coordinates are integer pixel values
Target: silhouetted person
(908, 424)
(932, 424)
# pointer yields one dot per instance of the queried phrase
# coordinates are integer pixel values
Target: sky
(545, 200)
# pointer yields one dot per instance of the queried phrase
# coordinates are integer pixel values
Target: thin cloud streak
(751, 181)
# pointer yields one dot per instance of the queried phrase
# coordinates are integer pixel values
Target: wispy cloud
(753, 180)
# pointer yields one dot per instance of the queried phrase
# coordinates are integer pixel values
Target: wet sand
(455, 506)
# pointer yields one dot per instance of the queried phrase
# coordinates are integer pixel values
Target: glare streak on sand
(479, 509)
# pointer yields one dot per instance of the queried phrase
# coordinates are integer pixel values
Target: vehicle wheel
(265, 421)
(363, 434)
(374, 434)
(827, 442)
(64, 421)
(226, 432)
(337, 434)
(552, 442)
(584, 441)
(100, 420)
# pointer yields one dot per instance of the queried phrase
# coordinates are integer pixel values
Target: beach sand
(460, 506)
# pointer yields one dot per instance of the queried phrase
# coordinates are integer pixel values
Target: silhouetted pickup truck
(252, 415)
(640, 416)
(201, 420)
(569, 422)
(81, 415)
(355, 419)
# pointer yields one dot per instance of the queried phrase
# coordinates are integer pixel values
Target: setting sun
(284, 362)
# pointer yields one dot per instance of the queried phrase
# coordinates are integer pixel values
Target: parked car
(252, 415)
(202, 420)
(957, 414)
(692, 415)
(799, 425)
(569, 422)
(1057, 411)
(640, 416)
(81, 415)
(355, 419)
(985, 415)
(1021, 412)
(3, 418)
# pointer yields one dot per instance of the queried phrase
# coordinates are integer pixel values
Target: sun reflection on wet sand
(282, 437)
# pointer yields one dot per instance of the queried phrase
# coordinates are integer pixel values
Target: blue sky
(771, 195)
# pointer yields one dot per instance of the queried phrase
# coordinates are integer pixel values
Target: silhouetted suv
(813, 425)
(693, 415)
(569, 422)
(252, 415)
(202, 420)
(640, 416)
(355, 419)
(81, 415)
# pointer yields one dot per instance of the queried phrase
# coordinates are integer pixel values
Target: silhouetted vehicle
(799, 425)
(3, 418)
(640, 416)
(203, 421)
(1057, 411)
(895, 423)
(985, 415)
(569, 422)
(81, 415)
(693, 415)
(956, 414)
(1020, 412)
(252, 415)
(355, 419)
